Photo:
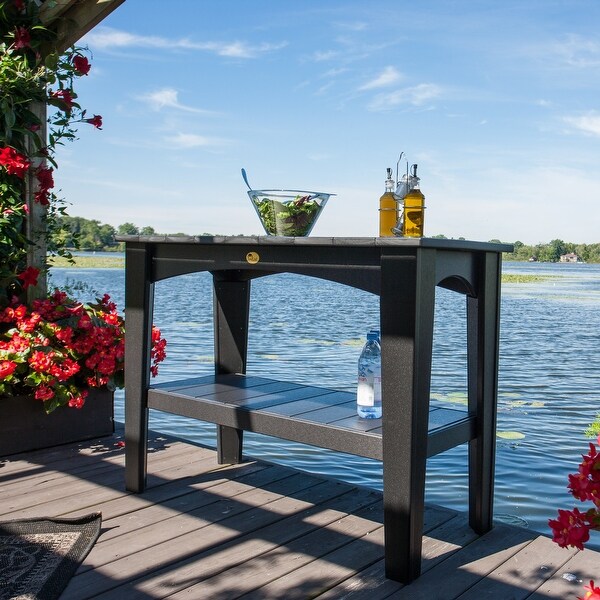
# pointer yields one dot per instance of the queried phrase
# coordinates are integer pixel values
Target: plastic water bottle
(368, 393)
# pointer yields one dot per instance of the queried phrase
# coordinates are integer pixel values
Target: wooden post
(35, 228)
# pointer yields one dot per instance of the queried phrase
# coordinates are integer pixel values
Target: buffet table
(404, 274)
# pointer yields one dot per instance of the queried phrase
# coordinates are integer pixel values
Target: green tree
(128, 229)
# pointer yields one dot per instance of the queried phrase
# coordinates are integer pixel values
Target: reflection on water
(310, 331)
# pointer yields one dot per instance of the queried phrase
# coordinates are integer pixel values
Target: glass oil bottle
(414, 208)
(388, 208)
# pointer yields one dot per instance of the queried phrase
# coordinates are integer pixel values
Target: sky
(497, 102)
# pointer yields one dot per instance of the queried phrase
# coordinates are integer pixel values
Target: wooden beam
(72, 19)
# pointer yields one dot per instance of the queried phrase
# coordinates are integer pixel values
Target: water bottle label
(365, 393)
(377, 389)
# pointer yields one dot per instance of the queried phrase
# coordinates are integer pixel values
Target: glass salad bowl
(288, 212)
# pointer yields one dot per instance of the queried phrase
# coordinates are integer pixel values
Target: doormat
(38, 557)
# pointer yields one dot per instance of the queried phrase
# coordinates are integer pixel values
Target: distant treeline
(78, 233)
(550, 252)
(90, 234)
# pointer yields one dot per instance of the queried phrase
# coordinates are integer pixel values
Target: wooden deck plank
(287, 565)
(180, 528)
(568, 581)
(262, 531)
(522, 573)
(211, 548)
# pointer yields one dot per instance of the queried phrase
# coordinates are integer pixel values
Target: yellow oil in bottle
(414, 208)
(388, 208)
(414, 213)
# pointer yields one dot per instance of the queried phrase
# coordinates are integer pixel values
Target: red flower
(7, 368)
(22, 38)
(593, 592)
(45, 178)
(44, 392)
(81, 64)
(79, 400)
(29, 277)
(45, 183)
(570, 529)
(41, 362)
(66, 96)
(15, 163)
(96, 121)
(19, 5)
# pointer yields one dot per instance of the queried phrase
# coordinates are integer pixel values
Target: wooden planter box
(25, 426)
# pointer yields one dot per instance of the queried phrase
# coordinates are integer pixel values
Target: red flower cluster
(13, 162)
(572, 528)
(60, 348)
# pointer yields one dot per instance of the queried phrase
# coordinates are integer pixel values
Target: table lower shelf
(312, 415)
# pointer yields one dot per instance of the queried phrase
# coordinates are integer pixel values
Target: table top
(270, 240)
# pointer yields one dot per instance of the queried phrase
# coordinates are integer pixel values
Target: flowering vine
(32, 72)
(57, 348)
(572, 527)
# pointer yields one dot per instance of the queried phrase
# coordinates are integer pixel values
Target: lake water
(549, 382)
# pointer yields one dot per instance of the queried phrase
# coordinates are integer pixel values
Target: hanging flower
(81, 64)
(29, 277)
(65, 97)
(14, 162)
(96, 121)
(22, 38)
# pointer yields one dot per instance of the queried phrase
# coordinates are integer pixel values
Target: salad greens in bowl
(288, 212)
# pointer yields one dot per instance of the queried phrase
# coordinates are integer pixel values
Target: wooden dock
(261, 531)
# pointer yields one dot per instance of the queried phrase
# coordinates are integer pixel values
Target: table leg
(482, 342)
(406, 312)
(139, 305)
(231, 315)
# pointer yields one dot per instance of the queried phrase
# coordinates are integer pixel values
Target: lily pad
(357, 343)
(458, 397)
(510, 435)
(317, 342)
(517, 403)
(205, 358)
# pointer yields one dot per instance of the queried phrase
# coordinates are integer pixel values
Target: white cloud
(353, 26)
(107, 38)
(388, 76)
(589, 123)
(168, 98)
(415, 96)
(578, 51)
(192, 140)
(321, 55)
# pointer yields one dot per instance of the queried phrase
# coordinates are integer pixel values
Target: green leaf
(510, 435)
